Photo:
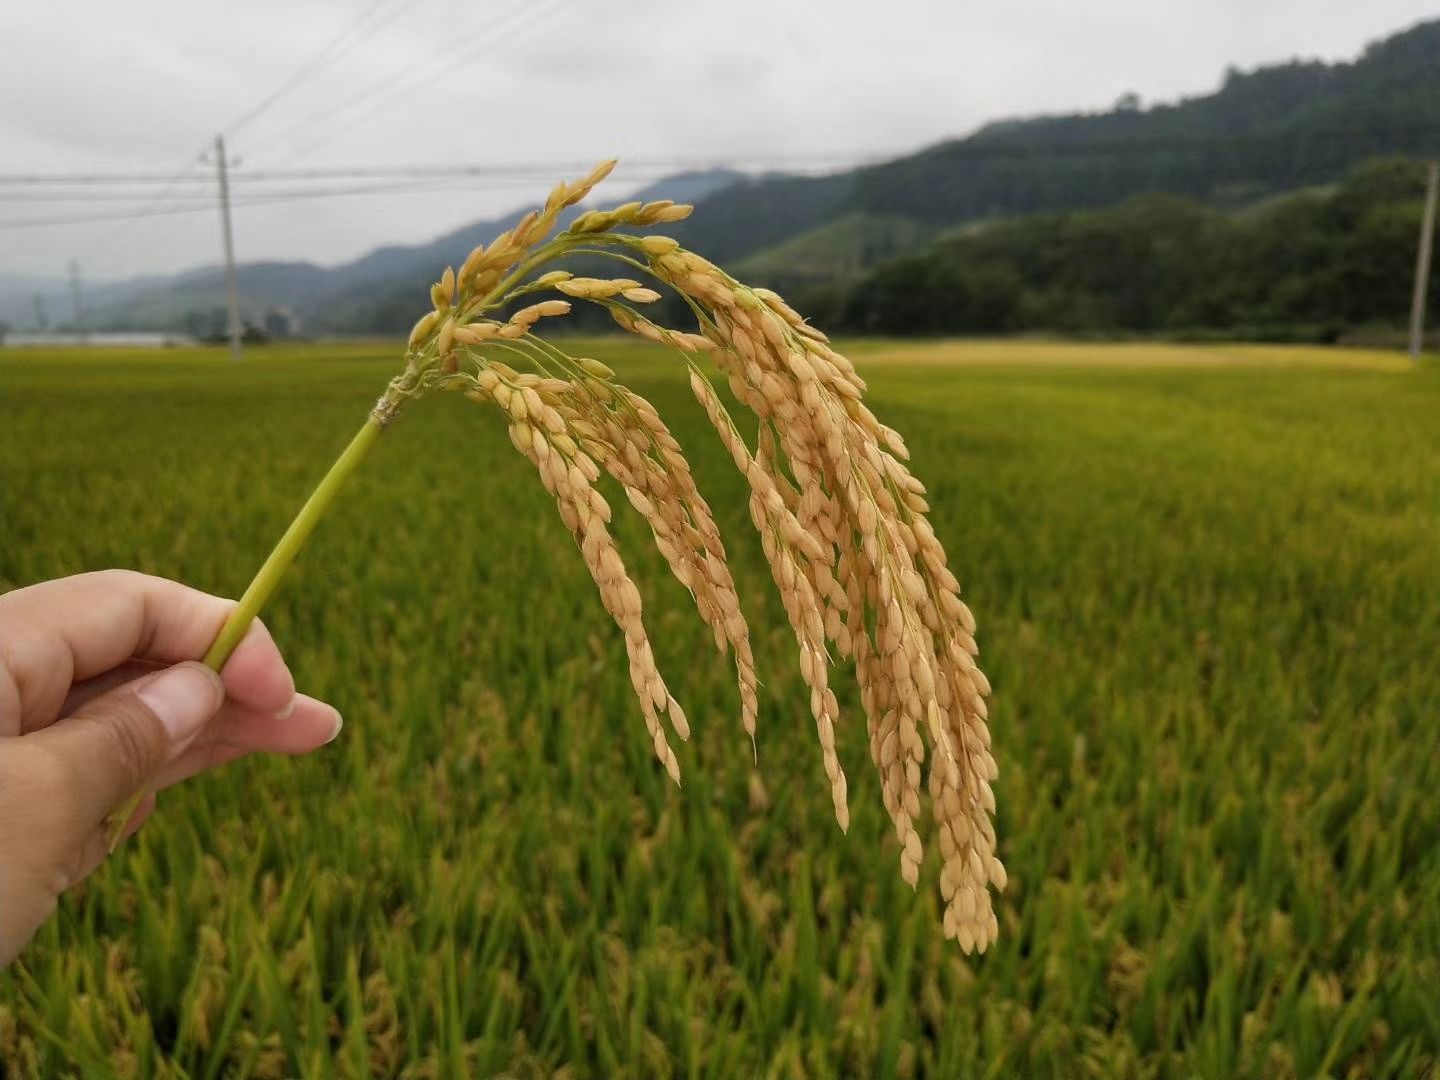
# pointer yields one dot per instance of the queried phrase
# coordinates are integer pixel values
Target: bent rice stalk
(842, 520)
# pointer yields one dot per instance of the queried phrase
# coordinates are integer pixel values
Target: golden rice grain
(861, 574)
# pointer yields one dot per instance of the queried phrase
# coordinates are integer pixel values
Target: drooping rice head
(842, 520)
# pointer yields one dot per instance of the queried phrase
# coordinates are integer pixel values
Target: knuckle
(126, 730)
(115, 578)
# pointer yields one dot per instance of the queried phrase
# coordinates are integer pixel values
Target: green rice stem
(263, 586)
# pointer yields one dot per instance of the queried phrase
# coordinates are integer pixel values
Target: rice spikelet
(861, 574)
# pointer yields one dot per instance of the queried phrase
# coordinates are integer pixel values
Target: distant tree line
(1309, 265)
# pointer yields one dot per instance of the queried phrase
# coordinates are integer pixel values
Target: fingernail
(182, 698)
(339, 723)
(289, 709)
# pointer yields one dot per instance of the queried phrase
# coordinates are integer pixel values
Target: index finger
(57, 633)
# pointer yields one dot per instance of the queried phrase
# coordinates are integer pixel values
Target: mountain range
(1275, 129)
(368, 293)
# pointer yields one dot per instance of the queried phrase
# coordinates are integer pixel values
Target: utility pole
(76, 307)
(1422, 264)
(232, 287)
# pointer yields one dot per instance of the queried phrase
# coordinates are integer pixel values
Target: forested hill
(1323, 264)
(1269, 130)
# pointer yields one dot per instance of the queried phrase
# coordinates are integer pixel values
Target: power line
(524, 20)
(404, 80)
(978, 150)
(350, 101)
(269, 198)
(475, 178)
(110, 240)
(481, 180)
(321, 59)
(332, 53)
(527, 21)
(511, 169)
(95, 196)
(516, 176)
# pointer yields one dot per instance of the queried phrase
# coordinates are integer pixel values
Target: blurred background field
(1206, 581)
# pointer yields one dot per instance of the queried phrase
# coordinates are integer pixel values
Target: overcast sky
(103, 85)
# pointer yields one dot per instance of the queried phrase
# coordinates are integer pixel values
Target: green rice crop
(1208, 583)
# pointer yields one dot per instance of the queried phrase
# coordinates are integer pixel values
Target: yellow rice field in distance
(1207, 583)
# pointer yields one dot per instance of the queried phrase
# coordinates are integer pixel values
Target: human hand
(92, 711)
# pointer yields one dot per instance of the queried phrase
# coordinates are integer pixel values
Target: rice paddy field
(1208, 587)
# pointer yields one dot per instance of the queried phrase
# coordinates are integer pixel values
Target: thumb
(118, 741)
